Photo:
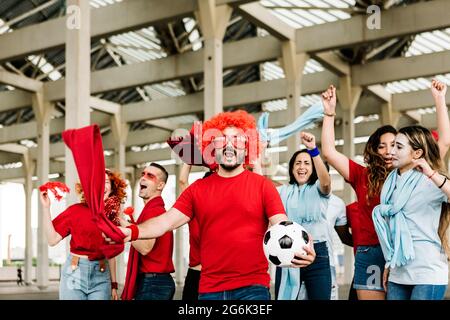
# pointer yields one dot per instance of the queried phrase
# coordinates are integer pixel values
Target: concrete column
(42, 109)
(120, 133)
(348, 98)
(29, 167)
(293, 65)
(180, 267)
(388, 115)
(213, 22)
(78, 72)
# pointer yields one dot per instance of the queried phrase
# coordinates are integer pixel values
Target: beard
(240, 158)
(230, 167)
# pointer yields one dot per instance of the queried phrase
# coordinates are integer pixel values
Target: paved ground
(10, 291)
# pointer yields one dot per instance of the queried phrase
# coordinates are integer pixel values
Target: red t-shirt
(87, 238)
(358, 179)
(353, 214)
(159, 259)
(232, 216)
(194, 243)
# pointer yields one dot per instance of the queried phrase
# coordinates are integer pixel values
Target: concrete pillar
(388, 115)
(78, 73)
(120, 133)
(348, 98)
(293, 65)
(180, 267)
(42, 109)
(29, 167)
(213, 22)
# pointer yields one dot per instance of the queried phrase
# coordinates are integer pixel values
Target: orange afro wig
(239, 119)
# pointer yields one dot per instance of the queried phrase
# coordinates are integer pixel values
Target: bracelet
(114, 285)
(330, 114)
(432, 174)
(314, 152)
(445, 180)
(134, 231)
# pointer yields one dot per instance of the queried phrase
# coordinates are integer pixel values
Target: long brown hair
(377, 171)
(422, 138)
(118, 187)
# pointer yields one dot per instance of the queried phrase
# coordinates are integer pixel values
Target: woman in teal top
(412, 219)
(305, 199)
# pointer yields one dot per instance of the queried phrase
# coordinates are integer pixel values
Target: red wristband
(134, 231)
(114, 285)
(432, 174)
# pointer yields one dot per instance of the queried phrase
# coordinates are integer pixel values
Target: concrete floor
(10, 291)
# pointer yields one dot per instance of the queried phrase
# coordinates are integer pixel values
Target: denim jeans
(397, 291)
(86, 282)
(255, 292)
(369, 267)
(316, 276)
(155, 286)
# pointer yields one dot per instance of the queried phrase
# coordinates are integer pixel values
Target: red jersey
(87, 238)
(159, 259)
(233, 217)
(358, 179)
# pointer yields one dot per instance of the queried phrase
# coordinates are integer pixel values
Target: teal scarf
(313, 113)
(302, 205)
(389, 218)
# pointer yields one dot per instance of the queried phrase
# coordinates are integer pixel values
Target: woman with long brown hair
(367, 182)
(412, 219)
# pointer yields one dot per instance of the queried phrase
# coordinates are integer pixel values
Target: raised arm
(183, 179)
(309, 141)
(53, 237)
(438, 90)
(336, 159)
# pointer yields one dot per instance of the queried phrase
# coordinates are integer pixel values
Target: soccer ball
(282, 241)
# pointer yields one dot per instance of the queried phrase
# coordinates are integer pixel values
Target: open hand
(301, 260)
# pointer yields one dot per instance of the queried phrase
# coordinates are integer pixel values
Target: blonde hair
(422, 138)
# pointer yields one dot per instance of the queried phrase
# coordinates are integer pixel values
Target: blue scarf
(302, 205)
(389, 218)
(307, 118)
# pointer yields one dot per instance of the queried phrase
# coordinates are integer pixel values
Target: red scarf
(87, 150)
(130, 287)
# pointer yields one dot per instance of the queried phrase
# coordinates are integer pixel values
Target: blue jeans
(86, 282)
(397, 291)
(316, 276)
(255, 292)
(155, 286)
(369, 267)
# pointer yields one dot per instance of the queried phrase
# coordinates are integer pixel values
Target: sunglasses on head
(237, 142)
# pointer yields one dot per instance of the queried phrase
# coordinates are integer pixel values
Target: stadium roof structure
(148, 67)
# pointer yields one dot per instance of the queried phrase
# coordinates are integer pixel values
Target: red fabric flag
(87, 150)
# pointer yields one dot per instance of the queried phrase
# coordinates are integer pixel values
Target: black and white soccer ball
(282, 241)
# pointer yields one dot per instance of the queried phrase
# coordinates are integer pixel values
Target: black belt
(152, 275)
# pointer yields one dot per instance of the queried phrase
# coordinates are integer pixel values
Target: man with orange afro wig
(233, 207)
